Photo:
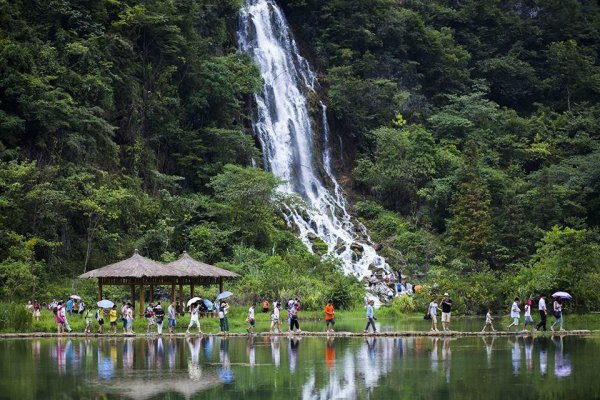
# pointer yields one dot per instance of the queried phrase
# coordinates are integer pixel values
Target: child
(432, 312)
(488, 321)
(88, 322)
(159, 313)
(515, 313)
(149, 314)
(100, 320)
(528, 319)
(275, 318)
(112, 317)
(329, 316)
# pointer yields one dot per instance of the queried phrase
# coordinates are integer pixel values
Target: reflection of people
(372, 354)
(489, 347)
(225, 373)
(528, 353)
(434, 354)
(515, 355)
(543, 344)
(275, 351)
(251, 351)
(562, 363)
(447, 357)
(194, 371)
(293, 344)
(330, 353)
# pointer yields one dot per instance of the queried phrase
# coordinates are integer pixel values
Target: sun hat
(446, 294)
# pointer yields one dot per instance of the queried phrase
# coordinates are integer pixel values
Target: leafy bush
(14, 317)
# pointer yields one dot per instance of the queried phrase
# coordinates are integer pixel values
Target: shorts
(150, 321)
(113, 323)
(252, 322)
(433, 318)
(100, 322)
(445, 317)
(528, 320)
(516, 320)
(124, 323)
(172, 323)
(330, 322)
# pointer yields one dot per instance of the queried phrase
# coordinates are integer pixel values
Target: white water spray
(283, 127)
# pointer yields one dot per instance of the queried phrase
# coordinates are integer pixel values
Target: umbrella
(208, 303)
(193, 300)
(224, 295)
(562, 295)
(105, 304)
(75, 297)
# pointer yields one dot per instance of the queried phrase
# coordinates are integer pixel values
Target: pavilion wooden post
(172, 293)
(181, 293)
(142, 299)
(99, 289)
(132, 287)
(191, 291)
(151, 293)
(221, 285)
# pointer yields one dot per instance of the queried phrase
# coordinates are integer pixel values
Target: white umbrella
(193, 300)
(75, 297)
(105, 304)
(562, 295)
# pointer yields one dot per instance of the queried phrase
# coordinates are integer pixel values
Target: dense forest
(470, 136)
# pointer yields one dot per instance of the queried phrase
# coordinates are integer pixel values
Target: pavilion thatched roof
(137, 266)
(192, 267)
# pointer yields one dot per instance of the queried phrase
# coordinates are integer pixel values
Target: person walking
(528, 319)
(370, 317)
(446, 311)
(194, 311)
(488, 321)
(224, 323)
(432, 312)
(543, 313)
(251, 319)
(329, 317)
(557, 312)
(124, 317)
(515, 313)
(37, 310)
(88, 322)
(275, 321)
(100, 319)
(149, 315)
(172, 316)
(129, 317)
(58, 316)
(112, 318)
(159, 314)
(293, 317)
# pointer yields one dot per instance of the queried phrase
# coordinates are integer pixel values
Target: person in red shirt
(329, 316)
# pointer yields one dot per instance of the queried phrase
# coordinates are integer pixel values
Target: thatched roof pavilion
(140, 271)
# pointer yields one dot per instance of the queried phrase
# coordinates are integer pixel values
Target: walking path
(581, 332)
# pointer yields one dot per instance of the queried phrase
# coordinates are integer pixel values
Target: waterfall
(283, 126)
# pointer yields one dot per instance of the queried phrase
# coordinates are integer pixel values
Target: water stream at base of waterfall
(283, 126)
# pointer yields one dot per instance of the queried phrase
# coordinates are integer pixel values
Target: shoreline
(454, 334)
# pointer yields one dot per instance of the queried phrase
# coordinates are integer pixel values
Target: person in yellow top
(112, 317)
(329, 316)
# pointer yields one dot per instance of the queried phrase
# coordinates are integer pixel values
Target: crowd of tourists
(155, 315)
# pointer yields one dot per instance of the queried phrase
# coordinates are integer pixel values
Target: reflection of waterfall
(283, 127)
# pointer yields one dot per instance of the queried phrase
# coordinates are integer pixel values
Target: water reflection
(315, 367)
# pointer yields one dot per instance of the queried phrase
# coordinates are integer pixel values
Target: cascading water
(283, 127)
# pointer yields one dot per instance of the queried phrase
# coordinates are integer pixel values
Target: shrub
(14, 317)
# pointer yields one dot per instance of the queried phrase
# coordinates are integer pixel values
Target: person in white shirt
(251, 320)
(543, 313)
(172, 315)
(432, 312)
(275, 318)
(515, 313)
(528, 319)
(488, 321)
(194, 319)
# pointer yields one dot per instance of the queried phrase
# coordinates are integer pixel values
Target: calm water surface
(309, 368)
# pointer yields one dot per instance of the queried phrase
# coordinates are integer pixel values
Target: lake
(265, 367)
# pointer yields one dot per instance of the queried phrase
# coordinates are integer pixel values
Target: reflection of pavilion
(155, 386)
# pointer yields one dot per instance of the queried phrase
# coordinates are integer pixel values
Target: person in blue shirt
(70, 306)
(370, 317)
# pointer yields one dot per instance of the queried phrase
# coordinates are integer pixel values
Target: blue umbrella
(208, 303)
(224, 295)
(105, 304)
